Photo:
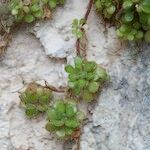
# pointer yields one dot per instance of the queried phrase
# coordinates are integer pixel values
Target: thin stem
(78, 143)
(85, 18)
(78, 47)
(88, 10)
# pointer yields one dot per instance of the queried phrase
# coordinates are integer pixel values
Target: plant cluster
(30, 10)
(35, 100)
(132, 17)
(85, 78)
(63, 118)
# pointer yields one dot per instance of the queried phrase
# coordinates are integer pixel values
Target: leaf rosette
(35, 100)
(63, 119)
(85, 78)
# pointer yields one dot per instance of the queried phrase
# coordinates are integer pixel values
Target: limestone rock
(55, 35)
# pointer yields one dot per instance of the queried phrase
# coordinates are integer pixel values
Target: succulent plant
(85, 78)
(132, 17)
(35, 99)
(30, 10)
(63, 119)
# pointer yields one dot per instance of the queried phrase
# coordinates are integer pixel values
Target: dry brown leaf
(4, 40)
(27, 2)
(47, 12)
(83, 46)
(76, 134)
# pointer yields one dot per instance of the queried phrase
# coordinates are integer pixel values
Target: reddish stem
(85, 18)
(88, 10)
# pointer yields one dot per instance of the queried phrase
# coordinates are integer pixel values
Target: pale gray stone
(56, 35)
(121, 119)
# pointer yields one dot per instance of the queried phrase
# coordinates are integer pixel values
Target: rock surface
(25, 61)
(55, 35)
(120, 119)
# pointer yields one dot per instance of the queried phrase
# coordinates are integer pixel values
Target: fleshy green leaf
(41, 108)
(35, 7)
(71, 110)
(38, 14)
(14, 12)
(72, 84)
(72, 123)
(78, 62)
(57, 123)
(45, 1)
(73, 77)
(26, 9)
(69, 69)
(29, 18)
(146, 6)
(87, 96)
(44, 99)
(81, 83)
(60, 133)
(75, 23)
(89, 66)
(51, 114)
(90, 76)
(127, 4)
(111, 10)
(100, 74)
(68, 131)
(31, 97)
(93, 87)
(129, 16)
(77, 91)
(52, 3)
(60, 107)
(31, 111)
(139, 35)
(49, 127)
(147, 36)
(80, 115)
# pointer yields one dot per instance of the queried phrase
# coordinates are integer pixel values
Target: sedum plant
(63, 119)
(30, 10)
(35, 99)
(132, 17)
(85, 78)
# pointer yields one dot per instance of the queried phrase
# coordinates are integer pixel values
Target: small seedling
(85, 78)
(35, 99)
(77, 28)
(63, 119)
(132, 17)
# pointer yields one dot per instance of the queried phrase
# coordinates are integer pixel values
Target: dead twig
(54, 89)
(4, 40)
